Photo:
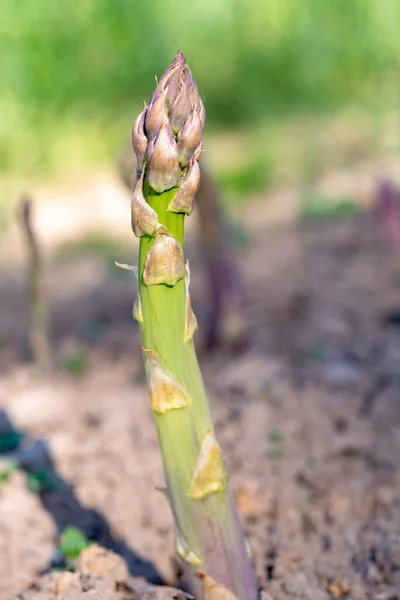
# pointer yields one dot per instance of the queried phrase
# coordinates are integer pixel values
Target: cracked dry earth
(308, 417)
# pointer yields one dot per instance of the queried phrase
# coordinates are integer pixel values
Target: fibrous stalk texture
(167, 139)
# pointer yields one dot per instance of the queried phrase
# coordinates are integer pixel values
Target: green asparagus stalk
(167, 139)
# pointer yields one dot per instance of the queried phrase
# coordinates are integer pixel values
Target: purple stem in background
(226, 289)
(387, 211)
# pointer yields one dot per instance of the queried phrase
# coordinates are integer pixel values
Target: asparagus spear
(167, 139)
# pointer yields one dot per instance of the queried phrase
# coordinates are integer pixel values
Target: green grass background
(73, 74)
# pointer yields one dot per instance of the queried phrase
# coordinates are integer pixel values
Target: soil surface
(307, 414)
(97, 574)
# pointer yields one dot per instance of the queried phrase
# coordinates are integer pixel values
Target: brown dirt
(308, 417)
(98, 574)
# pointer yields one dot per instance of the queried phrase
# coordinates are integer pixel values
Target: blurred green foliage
(317, 207)
(96, 244)
(245, 179)
(72, 70)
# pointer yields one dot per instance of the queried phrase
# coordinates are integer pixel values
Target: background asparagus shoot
(38, 322)
(167, 139)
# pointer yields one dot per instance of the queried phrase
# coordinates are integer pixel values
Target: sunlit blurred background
(302, 131)
(278, 73)
(292, 90)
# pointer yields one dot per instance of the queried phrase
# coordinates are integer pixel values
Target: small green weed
(275, 436)
(72, 542)
(74, 362)
(42, 480)
(7, 471)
